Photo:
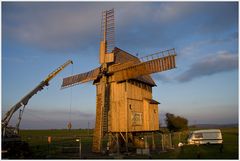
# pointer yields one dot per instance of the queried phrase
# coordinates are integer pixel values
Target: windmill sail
(148, 67)
(107, 37)
(119, 67)
(108, 29)
(80, 78)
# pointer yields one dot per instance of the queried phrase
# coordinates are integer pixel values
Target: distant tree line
(176, 123)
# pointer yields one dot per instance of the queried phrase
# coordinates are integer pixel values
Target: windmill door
(135, 115)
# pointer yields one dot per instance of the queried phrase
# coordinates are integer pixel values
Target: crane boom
(26, 98)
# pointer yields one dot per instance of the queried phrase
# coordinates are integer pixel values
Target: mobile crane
(11, 134)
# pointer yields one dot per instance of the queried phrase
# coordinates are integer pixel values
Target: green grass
(63, 142)
(230, 149)
(64, 146)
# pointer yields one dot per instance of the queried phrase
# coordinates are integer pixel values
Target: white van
(209, 136)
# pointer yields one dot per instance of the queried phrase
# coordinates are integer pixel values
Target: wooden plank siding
(130, 101)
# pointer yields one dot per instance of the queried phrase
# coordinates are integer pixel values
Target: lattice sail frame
(108, 29)
(157, 62)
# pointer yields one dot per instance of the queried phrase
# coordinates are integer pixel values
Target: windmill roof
(121, 56)
(152, 101)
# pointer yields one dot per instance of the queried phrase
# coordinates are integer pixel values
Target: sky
(37, 37)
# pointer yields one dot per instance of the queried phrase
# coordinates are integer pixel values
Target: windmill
(124, 104)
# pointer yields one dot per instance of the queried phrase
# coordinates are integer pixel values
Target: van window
(198, 135)
(190, 135)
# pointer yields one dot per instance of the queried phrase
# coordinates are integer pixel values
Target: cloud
(162, 77)
(221, 62)
(57, 27)
(76, 25)
(191, 48)
(47, 119)
(166, 25)
(62, 26)
(56, 114)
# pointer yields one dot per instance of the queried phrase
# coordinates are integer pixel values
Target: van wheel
(208, 143)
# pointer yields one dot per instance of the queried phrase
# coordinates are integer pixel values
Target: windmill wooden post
(124, 103)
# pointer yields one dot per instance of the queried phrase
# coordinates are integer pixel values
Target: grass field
(63, 143)
(230, 149)
(64, 146)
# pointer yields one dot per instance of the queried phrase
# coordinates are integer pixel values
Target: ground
(64, 144)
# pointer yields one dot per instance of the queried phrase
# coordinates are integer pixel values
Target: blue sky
(38, 37)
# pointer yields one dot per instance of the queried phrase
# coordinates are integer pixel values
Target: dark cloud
(57, 28)
(182, 22)
(221, 16)
(161, 77)
(139, 25)
(210, 65)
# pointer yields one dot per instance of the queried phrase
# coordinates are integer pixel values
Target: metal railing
(158, 55)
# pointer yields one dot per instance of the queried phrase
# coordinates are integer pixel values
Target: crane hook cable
(70, 108)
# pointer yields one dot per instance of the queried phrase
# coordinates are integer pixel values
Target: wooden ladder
(101, 126)
(106, 108)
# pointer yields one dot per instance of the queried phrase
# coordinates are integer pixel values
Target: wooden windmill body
(124, 103)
